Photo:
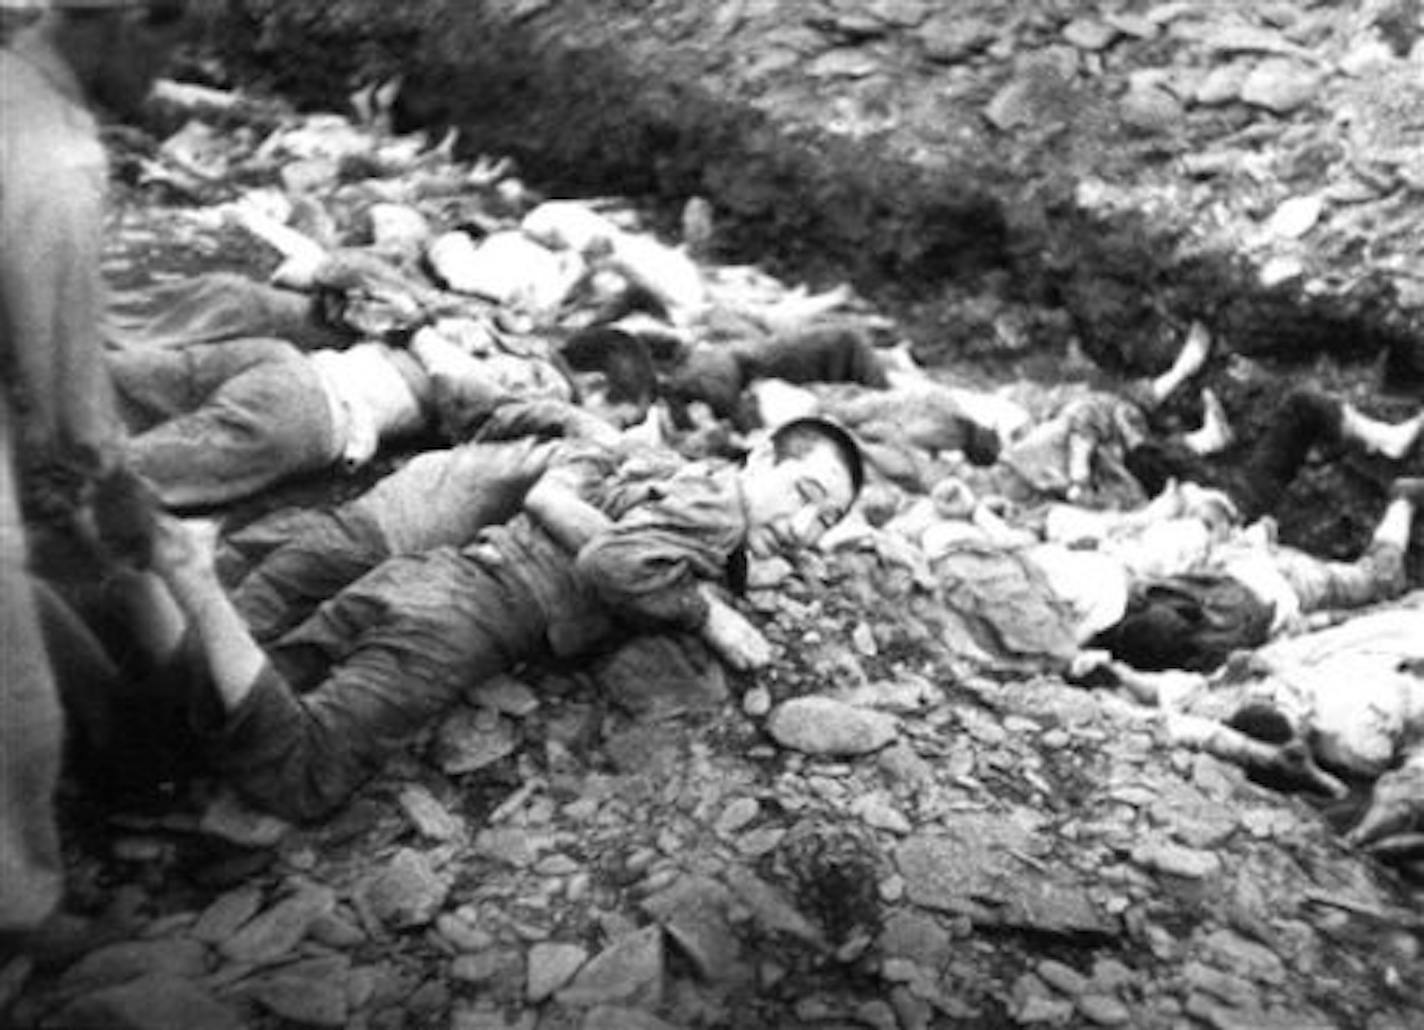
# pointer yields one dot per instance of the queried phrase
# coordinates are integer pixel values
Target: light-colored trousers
(31, 724)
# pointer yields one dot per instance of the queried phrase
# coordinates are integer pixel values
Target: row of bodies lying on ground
(465, 351)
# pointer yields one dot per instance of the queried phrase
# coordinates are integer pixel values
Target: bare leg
(1398, 518)
(1190, 359)
(1378, 574)
(1215, 434)
(183, 559)
(1393, 440)
(1292, 759)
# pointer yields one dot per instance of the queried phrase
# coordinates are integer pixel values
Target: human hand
(125, 510)
(736, 641)
(1397, 808)
(1088, 661)
(184, 556)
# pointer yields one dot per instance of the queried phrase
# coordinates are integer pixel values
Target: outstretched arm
(567, 517)
(574, 523)
(735, 640)
(233, 657)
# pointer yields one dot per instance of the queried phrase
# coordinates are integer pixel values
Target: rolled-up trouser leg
(1377, 575)
(31, 728)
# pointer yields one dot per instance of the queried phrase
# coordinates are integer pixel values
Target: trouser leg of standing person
(112, 648)
(31, 728)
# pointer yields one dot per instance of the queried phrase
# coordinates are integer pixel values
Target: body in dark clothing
(717, 373)
(1305, 420)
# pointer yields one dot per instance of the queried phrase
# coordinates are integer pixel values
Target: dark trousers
(1303, 421)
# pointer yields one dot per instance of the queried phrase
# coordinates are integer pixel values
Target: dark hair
(1191, 621)
(622, 357)
(798, 437)
(981, 444)
(1264, 722)
(156, 13)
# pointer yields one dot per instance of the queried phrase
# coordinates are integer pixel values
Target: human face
(593, 398)
(791, 503)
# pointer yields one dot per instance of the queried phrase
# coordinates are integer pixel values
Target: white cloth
(1356, 685)
(369, 398)
(1094, 585)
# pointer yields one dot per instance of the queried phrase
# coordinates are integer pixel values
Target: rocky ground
(1006, 177)
(876, 832)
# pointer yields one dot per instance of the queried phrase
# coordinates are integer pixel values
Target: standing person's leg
(86, 676)
(114, 647)
(241, 416)
(31, 727)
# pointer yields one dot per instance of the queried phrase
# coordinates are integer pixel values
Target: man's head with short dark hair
(798, 482)
(795, 438)
(612, 371)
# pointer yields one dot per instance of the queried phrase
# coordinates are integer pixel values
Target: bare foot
(1195, 350)
(1215, 434)
(1397, 441)
(183, 548)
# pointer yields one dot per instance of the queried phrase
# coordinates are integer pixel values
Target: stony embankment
(1006, 178)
